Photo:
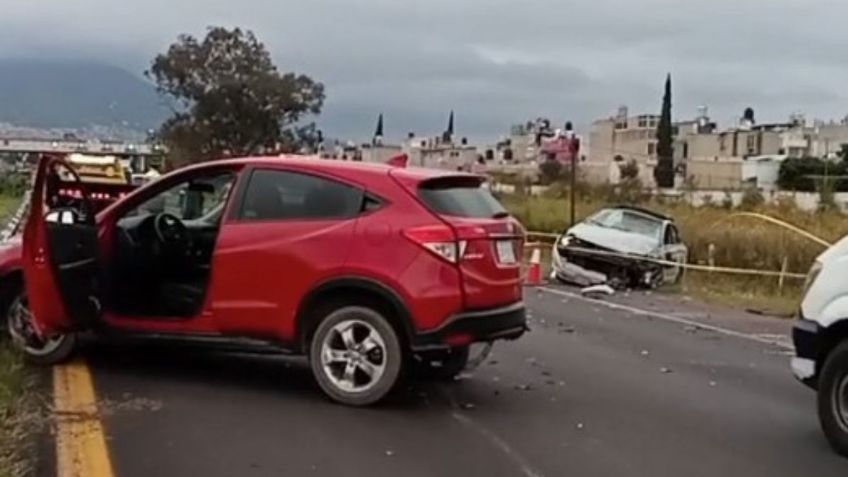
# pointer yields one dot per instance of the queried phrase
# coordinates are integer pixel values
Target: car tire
(355, 355)
(442, 366)
(833, 399)
(54, 351)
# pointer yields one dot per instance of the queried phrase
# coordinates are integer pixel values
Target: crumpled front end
(584, 264)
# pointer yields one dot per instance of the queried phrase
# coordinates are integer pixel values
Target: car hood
(614, 239)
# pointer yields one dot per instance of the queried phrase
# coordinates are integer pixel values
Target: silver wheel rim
(840, 403)
(22, 331)
(353, 356)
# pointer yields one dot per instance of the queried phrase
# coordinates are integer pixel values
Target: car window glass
(671, 236)
(628, 221)
(190, 200)
(460, 197)
(278, 195)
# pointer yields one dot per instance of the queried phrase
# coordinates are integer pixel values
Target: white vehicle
(821, 341)
(617, 246)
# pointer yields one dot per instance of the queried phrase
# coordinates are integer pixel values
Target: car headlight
(812, 275)
(566, 240)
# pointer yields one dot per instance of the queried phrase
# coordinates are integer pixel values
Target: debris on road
(468, 406)
(645, 352)
(597, 291)
(522, 387)
(665, 370)
(579, 425)
(389, 453)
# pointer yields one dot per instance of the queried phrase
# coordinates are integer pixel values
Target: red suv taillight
(446, 242)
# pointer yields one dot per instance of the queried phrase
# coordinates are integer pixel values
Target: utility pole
(573, 148)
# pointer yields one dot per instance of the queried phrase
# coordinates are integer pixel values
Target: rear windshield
(460, 197)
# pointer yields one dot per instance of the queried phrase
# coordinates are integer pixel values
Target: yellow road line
(80, 442)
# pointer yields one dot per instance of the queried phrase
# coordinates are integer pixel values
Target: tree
(229, 99)
(664, 172)
(630, 188)
(808, 174)
(629, 170)
(551, 171)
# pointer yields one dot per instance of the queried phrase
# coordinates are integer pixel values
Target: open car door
(60, 251)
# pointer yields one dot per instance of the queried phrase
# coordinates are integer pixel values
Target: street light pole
(573, 186)
(573, 148)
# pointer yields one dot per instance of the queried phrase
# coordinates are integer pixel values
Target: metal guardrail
(13, 226)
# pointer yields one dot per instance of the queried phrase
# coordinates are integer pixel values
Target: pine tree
(664, 172)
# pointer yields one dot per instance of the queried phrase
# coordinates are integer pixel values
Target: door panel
(59, 252)
(261, 271)
(73, 250)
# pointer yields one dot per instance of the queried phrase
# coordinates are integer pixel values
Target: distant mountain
(76, 94)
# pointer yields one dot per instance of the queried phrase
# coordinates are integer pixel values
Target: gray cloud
(494, 61)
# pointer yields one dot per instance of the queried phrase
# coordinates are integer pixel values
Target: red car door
(290, 231)
(60, 251)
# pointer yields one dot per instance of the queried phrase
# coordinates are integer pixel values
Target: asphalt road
(591, 391)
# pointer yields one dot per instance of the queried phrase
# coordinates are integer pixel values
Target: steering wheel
(170, 230)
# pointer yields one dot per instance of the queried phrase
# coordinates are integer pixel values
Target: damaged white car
(616, 246)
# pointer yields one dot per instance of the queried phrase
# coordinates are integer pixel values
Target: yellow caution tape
(779, 222)
(689, 266)
(706, 268)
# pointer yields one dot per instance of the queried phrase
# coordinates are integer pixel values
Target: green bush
(13, 185)
(751, 199)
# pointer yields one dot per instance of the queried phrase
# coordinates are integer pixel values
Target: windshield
(628, 221)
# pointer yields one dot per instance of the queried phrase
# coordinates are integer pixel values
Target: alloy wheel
(840, 402)
(353, 356)
(21, 329)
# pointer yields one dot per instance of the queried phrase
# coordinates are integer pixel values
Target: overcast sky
(495, 62)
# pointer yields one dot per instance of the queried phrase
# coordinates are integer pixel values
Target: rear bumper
(503, 323)
(808, 338)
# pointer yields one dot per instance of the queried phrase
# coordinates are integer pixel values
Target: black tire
(442, 366)
(833, 399)
(391, 359)
(56, 351)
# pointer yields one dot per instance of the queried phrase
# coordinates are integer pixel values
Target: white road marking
(501, 444)
(770, 340)
(513, 455)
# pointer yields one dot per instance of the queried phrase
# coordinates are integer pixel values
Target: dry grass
(739, 242)
(21, 415)
(16, 406)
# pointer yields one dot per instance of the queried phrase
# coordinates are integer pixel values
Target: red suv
(368, 270)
